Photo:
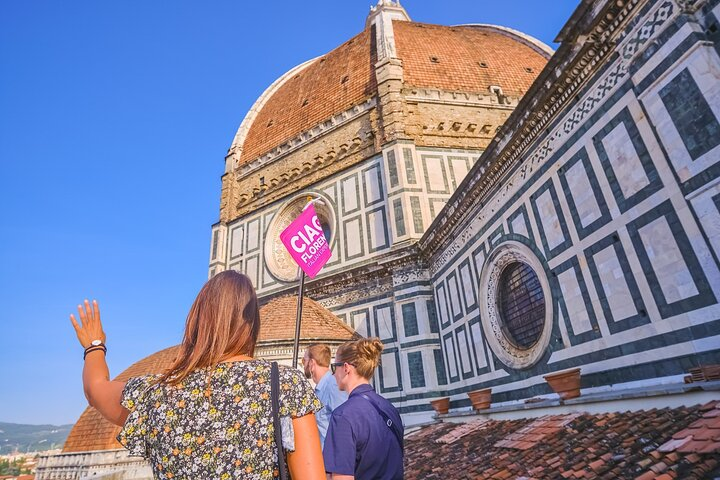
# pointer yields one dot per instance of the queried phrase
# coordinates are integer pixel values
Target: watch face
(96, 343)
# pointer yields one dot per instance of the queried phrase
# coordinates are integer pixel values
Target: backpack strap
(277, 428)
(395, 429)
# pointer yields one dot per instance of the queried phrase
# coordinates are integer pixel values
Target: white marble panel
(549, 218)
(359, 322)
(672, 273)
(463, 351)
(442, 306)
(467, 283)
(354, 237)
(518, 226)
(253, 234)
(378, 236)
(625, 162)
(708, 215)
(372, 188)
(613, 280)
(459, 168)
(479, 260)
(450, 356)
(579, 318)
(236, 236)
(350, 197)
(435, 173)
(478, 343)
(384, 323)
(389, 370)
(454, 296)
(582, 193)
(251, 269)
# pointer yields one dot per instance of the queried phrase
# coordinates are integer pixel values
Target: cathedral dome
(466, 58)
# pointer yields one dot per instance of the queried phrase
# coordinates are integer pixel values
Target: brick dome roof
(92, 431)
(468, 58)
(277, 324)
(318, 323)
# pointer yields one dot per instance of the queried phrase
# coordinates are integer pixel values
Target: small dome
(92, 431)
(318, 323)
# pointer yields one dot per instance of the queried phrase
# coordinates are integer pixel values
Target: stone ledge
(631, 399)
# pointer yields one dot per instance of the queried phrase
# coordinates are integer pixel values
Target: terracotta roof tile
(277, 319)
(608, 446)
(702, 435)
(314, 95)
(449, 58)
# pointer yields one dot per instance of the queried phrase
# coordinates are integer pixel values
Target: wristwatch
(96, 343)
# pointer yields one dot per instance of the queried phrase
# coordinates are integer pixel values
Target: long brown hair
(223, 321)
(363, 354)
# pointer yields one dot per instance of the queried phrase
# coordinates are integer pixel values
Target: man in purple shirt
(365, 438)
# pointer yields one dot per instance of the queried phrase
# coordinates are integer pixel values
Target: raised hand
(91, 327)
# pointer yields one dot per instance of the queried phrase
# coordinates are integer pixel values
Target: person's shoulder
(142, 382)
(136, 389)
(350, 407)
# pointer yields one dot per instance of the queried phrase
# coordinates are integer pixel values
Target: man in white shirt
(316, 363)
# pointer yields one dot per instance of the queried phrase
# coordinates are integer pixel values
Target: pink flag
(306, 242)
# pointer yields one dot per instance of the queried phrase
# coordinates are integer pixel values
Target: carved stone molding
(447, 97)
(305, 137)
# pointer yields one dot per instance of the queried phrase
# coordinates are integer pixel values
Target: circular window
(521, 304)
(277, 258)
(516, 317)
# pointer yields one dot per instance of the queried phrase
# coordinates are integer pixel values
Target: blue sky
(115, 118)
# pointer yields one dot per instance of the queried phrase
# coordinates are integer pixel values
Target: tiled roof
(277, 319)
(92, 431)
(644, 445)
(449, 58)
(331, 84)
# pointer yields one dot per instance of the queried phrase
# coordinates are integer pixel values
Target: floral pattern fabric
(217, 424)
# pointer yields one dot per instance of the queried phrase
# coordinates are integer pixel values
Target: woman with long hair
(210, 415)
(365, 436)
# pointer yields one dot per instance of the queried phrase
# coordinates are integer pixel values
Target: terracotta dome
(467, 58)
(277, 318)
(92, 431)
(318, 323)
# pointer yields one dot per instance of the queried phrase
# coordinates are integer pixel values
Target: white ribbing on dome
(532, 42)
(382, 16)
(239, 140)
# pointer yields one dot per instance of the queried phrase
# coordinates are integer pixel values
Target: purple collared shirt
(359, 442)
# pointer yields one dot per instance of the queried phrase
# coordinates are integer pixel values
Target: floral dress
(217, 424)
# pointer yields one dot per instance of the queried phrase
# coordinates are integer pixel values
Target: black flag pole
(298, 319)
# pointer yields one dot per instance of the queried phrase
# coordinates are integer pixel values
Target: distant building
(496, 211)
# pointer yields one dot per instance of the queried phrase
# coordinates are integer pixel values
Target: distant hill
(31, 438)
